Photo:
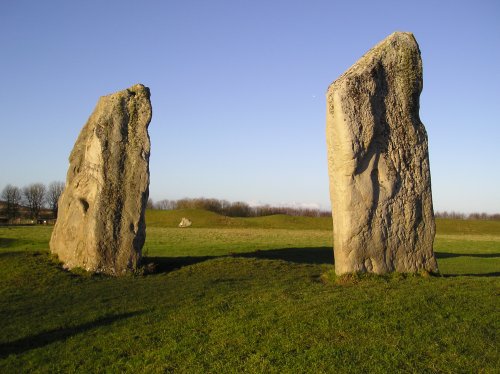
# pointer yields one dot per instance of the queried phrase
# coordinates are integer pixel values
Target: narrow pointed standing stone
(100, 225)
(380, 184)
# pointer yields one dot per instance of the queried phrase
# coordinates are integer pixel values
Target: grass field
(247, 295)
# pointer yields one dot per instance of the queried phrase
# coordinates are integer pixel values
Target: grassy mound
(206, 219)
(200, 218)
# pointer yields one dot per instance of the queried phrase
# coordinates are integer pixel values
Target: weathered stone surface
(380, 184)
(100, 225)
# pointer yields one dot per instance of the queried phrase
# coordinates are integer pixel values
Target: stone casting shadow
(11, 242)
(168, 264)
(315, 256)
(480, 275)
(48, 337)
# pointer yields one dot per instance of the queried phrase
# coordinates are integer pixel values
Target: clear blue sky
(238, 90)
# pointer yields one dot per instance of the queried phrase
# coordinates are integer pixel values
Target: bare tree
(239, 209)
(165, 205)
(150, 204)
(34, 195)
(12, 197)
(53, 193)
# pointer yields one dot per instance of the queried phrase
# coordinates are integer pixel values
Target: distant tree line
(30, 200)
(242, 209)
(234, 209)
(456, 215)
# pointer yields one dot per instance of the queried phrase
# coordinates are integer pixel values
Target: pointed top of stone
(399, 48)
(397, 59)
(138, 89)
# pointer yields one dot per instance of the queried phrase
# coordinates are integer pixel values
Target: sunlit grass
(248, 299)
(169, 242)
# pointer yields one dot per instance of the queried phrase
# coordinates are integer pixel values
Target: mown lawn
(245, 298)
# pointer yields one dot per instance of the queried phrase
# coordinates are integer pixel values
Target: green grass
(241, 297)
(205, 219)
(467, 227)
(22, 238)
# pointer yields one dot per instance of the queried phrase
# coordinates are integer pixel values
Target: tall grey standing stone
(380, 183)
(100, 225)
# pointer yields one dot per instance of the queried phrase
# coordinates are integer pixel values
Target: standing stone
(380, 183)
(100, 225)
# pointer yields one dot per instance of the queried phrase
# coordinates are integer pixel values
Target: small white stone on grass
(185, 222)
